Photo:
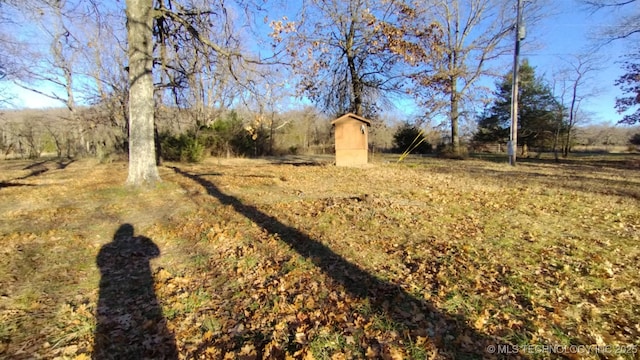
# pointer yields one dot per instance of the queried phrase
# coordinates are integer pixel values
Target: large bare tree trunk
(454, 114)
(142, 156)
(356, 81)
(356, 84)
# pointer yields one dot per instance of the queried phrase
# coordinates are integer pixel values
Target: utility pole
(512, 148)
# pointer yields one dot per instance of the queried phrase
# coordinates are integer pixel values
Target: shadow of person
(130, 324)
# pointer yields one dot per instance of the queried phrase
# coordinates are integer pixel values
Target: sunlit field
(296, 258)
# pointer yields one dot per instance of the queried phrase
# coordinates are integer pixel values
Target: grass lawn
(262, 259)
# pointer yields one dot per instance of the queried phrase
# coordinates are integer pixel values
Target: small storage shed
(352, 140)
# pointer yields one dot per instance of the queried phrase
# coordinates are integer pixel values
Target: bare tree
(593, 137)
(142, 156)
(474, 34)
(629, 83)
(186, 24)
(52, 66)
(56, 62)
(627, 17)
(105, 51)
(3, 41)
(352, 55)
(574, 79)
(195, 77)
(627, 27)
(307, 131)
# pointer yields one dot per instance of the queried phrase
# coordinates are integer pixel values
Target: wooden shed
(352, 140)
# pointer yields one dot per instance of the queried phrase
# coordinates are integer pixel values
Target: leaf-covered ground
(257, 259)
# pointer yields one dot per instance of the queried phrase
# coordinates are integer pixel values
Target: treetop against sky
(565, 31)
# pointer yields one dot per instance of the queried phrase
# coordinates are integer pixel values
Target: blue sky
(566, 31)
(570, 32)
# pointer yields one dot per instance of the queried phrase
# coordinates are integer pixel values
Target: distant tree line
(32, 133)
(36, 133)
(191, 78)
(545, 121)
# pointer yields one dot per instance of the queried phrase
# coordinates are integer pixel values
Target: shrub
(183, 148)
(409, 137)
(445, 151)
(228, 135)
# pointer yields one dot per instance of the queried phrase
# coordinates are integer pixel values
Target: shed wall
(349, 135)
(351, 141)
(351, 157)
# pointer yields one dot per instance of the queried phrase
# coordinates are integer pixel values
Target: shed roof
(352, 116)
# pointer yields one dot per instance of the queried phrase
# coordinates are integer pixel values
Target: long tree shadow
(587, 161)
(39, 168)
(454, 338)
(574, 177)
(130, 324)
(6, 184)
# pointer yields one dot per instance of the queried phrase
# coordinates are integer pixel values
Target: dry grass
(424, 259)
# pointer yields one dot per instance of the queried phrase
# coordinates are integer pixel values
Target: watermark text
(563, 349)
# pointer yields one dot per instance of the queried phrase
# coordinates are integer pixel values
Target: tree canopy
(353, 56)
(626, 28)
(203, 59)
(538, 111)
(629, 83)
